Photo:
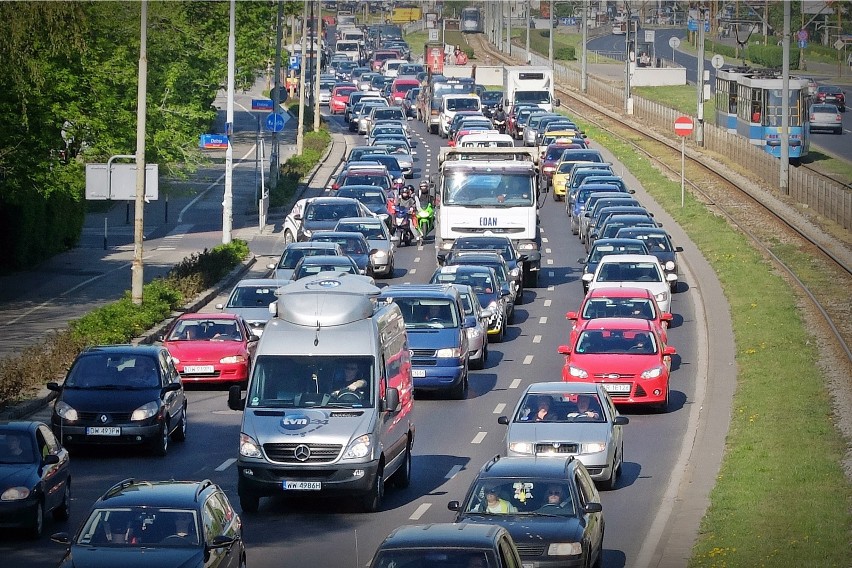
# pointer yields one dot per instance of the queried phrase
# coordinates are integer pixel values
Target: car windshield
(252, 296)
(629, 272)
(538, 97)
(371, 231)
(422, 313)
(559, 407)
(16, 447)
(136, 527)
(306, 381)
(211, 329)
(365, 196)
(488, 189)
(348, 244)
(639, 308)
(504, 249)
(521, 496)
(655, 242)
(600, 251)
(466, 103)
(431, 557)
(292, 256)
(615, 341)
(114, 371)
(480, 282)
(359, 179)
(310, 268)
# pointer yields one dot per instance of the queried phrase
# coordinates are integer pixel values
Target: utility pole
(628, 107)
(584, 64)
(527, 18)
(300, 132)
(228, 201)
(550, 37)
(318, 54)
(784, 178)
(276, 96)
(137, 280)
(509, 30)
(699, 128)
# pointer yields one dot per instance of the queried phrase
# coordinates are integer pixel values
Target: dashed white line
(166, 248)
(412, 271)
(549, 261)
(542, 320)
(515, 383)
(544, 239)
(453, 472)
(551, 288)
(528, 359)
(417, 259)
(478, 438)
(547, 250)
(547, 303)
(420, 511)
(536, 339)
(226, 464)
(499, 408)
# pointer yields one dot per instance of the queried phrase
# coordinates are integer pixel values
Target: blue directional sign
(803, 43)
(568, 21)
(692, 25)
(275, 122)
(261, 104)
(213, 142)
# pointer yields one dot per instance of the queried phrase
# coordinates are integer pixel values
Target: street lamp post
(228, 201)
(137, 280)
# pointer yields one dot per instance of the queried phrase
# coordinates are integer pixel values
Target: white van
(451, 104)
(488, 139)
(351, 49)
(329, 404)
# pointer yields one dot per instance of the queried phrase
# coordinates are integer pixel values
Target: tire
(609, 484)
(458, 392)
(402, 477)
(483, 356)
(433, 129)
(499, 337)
(249, 503)
(179, 435)
(160, 444)
(531, 279)
(288, 238)
(373, 499)
(36, 528)
(63, 510)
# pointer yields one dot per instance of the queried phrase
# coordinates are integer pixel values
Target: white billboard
(121, 185)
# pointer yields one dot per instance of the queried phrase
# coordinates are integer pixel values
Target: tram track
(774, 231)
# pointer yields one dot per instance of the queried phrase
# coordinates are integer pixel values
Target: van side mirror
(503, 420)
(391, 401)
(235, 399)
(557, 102)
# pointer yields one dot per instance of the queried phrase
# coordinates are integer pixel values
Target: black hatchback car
(550, 506)
(121, 394)
(138, 524)
(499, 244)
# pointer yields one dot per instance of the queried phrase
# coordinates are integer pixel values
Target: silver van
(329, 404)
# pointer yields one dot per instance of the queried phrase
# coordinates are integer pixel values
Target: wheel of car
(838, 131)
(160, 444)
(249, 503)
(519, 297)
(373, 499)
(531, 279)
(499, 337)
(179, 435)
(288, 238)
(63, 510)
(609, 484)
(511, 316)
(402, 476)
(458, 391)
(479, 362)
(37, 526)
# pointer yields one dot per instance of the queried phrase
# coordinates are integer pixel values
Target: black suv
(550, 507)
(447, 544)
(170, 523)
(121, 394)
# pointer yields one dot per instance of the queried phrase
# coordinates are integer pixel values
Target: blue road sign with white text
(261, 104)
(213, 142)
(275, 122)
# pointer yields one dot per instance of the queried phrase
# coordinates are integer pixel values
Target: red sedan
(627, 356)
(214, 348)
(619, 302)
(340, 97)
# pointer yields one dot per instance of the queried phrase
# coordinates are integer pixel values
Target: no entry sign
(683, 126)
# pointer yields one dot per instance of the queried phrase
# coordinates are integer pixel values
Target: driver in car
(350, 380)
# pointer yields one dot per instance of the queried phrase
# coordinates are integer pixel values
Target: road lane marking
(547, 250)
(478, 438)
(226, 464)
(412, 271)
(417, 259)
(537, 339)
(547, 303)
(528, 359)
(453, 471)
(551, 274)
(499, 408)
(551, 288)
(544, 239)
(542, 320)
(420, 511)
(549, 261)
(515, 383)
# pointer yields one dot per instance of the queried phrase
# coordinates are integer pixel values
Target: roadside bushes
(117, 322)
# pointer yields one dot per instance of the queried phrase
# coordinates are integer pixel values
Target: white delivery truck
(529, 85)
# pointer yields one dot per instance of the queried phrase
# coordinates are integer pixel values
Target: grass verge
(679, 97)
(781, 498)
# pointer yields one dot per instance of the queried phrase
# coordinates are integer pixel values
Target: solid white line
(515, 383)
(226, 464)
(542, 320)
(420, 511)
(528, 359)
(453, 471)
(166, 248)
(536, 339)
(478, 438)
(547, 303)
(499, 408)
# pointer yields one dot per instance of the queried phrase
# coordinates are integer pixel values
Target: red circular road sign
(683, 126)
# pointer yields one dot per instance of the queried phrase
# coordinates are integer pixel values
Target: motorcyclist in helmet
(500, 117)
(409, 202)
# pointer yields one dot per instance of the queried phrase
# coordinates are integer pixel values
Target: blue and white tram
(471, 20)
(726, 96)
(759, 100)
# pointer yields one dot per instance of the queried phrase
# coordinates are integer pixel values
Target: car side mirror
(61, 538)
(54, 387)
(222, 541)
(220, 306)
(271, 266)
(391, 401)
(252, 338)
(593, 508)
(504, 420)
(669, 350)
(671, 277)
(666, 316)
(564, 349)
(588, 277)
(50, 459)
(297, 217)
(583, 260)
(454, 506)
(235, 399)
(172, 387)
(678, 249)
(571, 316)
(621, 421)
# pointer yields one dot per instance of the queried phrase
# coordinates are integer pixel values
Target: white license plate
(103, 431)
(198, 369)
(616, 387)
(302, 485)
(418, 373)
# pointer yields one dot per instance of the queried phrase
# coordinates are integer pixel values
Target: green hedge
(771, 56)
(117, 322)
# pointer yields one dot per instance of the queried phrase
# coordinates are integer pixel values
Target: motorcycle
(426, 220)
(499, 125)
(402, 226)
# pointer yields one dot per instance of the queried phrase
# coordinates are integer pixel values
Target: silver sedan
(378, 238)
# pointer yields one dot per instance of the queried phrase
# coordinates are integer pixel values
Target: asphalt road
(454, 438)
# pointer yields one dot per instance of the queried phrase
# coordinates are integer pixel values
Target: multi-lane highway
(454, 438)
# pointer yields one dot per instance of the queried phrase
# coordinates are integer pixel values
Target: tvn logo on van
(488, 221)
(302, 423)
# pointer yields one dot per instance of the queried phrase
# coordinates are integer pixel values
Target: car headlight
(65, 411)
(473, 332)
(662, 296)
(176, 360)
(521, 447)
(565, 549)
(449, 352)
(593, 448)
(359, 448)
(15, 494)
(232, 359)
(514, 272)
(670, 265)
(249, 447)
(307, 233)
(652, 373)
(380, 254)
(577, 372)
(446, 245)
(147, 410)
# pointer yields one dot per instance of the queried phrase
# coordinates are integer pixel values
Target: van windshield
(282, 381)
(424, 313)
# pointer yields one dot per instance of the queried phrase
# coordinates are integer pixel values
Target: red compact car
(617, 302)
(627, 356)
(213, 348)
(340, 97)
